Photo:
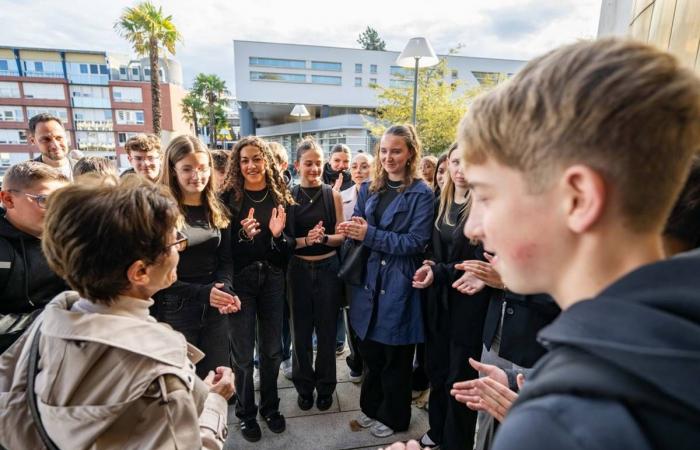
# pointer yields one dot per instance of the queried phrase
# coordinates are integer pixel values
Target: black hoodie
(330, 176)
(31, 283)
(622, 369)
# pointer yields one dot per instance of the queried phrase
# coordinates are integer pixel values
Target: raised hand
(338, 183)
(278, 218)
(251, 227)
(423, 277)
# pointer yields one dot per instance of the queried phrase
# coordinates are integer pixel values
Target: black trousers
(354, 359)
(315, 302)
(386, 389)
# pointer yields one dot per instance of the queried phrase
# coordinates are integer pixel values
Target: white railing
(91, 102)
(94, 125)
(88, 78)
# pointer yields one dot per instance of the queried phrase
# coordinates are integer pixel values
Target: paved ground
(325, 430)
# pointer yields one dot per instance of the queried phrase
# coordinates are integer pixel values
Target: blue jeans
(316, 291)
(260, 286)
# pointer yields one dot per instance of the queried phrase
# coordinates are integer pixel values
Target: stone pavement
(322, 430)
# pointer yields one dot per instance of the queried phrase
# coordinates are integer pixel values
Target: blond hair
(447, 196)
(410, 137)
(623, 108)
(142, 143)
(24, 175)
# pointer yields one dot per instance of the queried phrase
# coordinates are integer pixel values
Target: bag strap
(329, 205)
(33, 368)
(7, 260)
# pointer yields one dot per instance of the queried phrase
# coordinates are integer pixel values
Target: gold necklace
(311, 199)
(267, 191)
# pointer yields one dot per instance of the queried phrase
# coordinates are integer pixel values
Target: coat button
(509, 311)
(383, 263)
(382, 292)
(366, 287)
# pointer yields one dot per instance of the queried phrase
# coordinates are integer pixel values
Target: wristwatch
(325, 239)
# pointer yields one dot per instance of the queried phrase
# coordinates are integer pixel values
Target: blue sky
(518, 29)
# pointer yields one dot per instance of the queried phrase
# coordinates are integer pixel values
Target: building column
(20, 70)
(247, 120)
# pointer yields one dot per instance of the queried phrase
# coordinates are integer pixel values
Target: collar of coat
(112, 327)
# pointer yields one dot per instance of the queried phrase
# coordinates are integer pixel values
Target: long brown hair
(177, 149)
(273, 178)
(410, 137)
(447, 196)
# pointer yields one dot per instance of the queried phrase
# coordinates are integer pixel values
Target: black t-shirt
(199, 259)
(310, 211)
(447, 231)
(260, 248)
(385, 198)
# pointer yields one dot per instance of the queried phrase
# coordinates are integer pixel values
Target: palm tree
(151, 33)
(192, 106)
(212, 89)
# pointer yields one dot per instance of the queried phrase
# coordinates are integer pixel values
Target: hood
(330, 176)
(646, 324)
(7, 230)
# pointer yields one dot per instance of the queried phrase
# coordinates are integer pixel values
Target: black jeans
(354, 359)
(286, 331)
(260, 287)
(316, 291)
(386, 389)
(202, 326)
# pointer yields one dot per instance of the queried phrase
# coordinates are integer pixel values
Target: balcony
(9, 73)
(90, 102)
(88, 78)
(95, 146)
(34, 73)
(94, 125)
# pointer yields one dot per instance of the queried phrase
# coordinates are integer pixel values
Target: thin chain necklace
(388, 183)
(311, 199)
(267, 191)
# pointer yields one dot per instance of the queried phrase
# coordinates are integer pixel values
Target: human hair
(279, 152)
(25, 175)
(95, 230)
(367, 156)
(42, 118)
(447, 196)
(274, 180)
(143, 142)
(441, 160)
(625, 109)
(308, 143)
(94, 164)
(684, 222)
(177, 149)
(219, 159)
(341, 148)
(408, 133)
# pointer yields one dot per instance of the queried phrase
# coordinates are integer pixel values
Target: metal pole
(415, 91)
(300, 128)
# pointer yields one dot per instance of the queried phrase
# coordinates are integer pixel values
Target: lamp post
(299, 111)
(417, 53)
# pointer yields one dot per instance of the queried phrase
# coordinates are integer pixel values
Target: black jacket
(330, 176)
(635, 353)
(523, 318)
(30, 284)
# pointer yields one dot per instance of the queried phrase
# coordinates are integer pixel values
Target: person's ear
(30, 138)
(586, 195)
(7, 199)
(138, 273)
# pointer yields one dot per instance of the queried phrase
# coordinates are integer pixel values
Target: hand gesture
(223, 301)
(355, 228)
(277, 220)
(338, 183)
(251, 227)
(221, 382)
(315, 235)
(423, 277)
(489, 393)
(483, 271)
(468, 283)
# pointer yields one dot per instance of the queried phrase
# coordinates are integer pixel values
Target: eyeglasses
(180, 243)
(39, 199)
(188, 171)
(148, 159)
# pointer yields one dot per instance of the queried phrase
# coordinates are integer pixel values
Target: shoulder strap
(7, 260)
(329, 205)
(32, 371)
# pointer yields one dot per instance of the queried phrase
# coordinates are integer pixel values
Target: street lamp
(418, 53)
(299, 111)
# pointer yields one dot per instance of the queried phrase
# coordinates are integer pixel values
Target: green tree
(192, 109)
(151, 33)
(212, 90)
(370, 40)
(441, 105)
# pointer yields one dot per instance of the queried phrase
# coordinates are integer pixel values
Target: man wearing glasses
(26, 282)
(144, 155)
(49, 136)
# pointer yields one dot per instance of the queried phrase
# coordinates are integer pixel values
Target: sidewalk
(325, 430)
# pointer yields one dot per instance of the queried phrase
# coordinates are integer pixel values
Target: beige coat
(111, 377)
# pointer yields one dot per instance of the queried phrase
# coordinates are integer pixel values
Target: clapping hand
(423, 277)
(355, 228)
(315, 235)
(278, 218)
(484, 271)
(251, 227)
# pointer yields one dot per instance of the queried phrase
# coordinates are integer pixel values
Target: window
(358, 81)
(123, 137)
(135, 71)
(127, 94)
(139, 117)
(84, 68)
(146, 72)
(38, 66)
(372, 81)
(45, 91)
(276, 62)
(129, 117)
(11, 114)
(61, 113)
(122, 70)
(401, 72)
(358, 68)
(372, 68)
(9, 89)
(13, 137)
(324, 79)
(400, 83)
(4, 66)
(281, 77)
(330, 66)
(104, 70)
(487, 77)
(455, 74)
(94, 69)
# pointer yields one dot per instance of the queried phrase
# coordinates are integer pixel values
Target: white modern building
(335, 85)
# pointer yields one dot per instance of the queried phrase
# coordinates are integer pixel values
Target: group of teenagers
(558, 190)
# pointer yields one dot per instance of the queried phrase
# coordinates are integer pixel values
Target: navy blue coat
(386, 308)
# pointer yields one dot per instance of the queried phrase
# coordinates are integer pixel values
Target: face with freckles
(527, 232)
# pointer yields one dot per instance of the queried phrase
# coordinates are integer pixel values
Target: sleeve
(224, 270)
(534, 428)
(404, 244)
(212, 422)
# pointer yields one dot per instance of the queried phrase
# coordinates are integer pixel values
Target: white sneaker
(364, 421)
(256, 378)
(427, 443)
(380, 430)
(287, 368)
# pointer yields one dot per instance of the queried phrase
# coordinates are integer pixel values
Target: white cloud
(517, 29)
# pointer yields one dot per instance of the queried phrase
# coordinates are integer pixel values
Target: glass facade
(401, 72)
(276, 62)
(325, 79)
(280, 77)
(325, 65)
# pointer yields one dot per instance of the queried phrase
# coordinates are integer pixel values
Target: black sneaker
(275, 422)
(305, 403)
(324, 402)
(251, 430)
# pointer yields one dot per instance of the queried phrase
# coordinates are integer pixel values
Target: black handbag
(13, 325)
(353, 257)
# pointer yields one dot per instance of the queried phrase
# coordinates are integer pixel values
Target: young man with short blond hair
(145, 156)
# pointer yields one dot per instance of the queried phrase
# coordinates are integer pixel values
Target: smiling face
(253, 166)
(360, 169)
(394, 155)
(146, 164)
(340, 161)
(50, 139)
(193, 172)
(310, 167)
(531, 255)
